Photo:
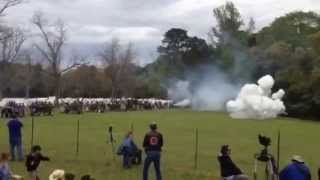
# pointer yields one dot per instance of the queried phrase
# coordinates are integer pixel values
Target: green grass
(57, 136)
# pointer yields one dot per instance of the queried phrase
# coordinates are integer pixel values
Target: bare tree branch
(117, 61)
(11, 44)
(44, 53)
(70, 67)
(39, 20)
(5, 4)
(53, 39)
(76, 62)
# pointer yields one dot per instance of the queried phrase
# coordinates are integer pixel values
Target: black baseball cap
(224, 149)
(36, 148)
(153, 126)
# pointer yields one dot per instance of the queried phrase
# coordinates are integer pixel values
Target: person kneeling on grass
(229, 171)
(131, 153)
(33, 162)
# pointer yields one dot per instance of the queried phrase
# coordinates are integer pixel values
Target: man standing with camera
(153, 142)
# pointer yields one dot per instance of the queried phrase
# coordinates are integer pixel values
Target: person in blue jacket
(297, 170)
(15, 137)
(131, 153)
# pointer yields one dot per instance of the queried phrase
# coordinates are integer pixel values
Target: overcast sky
(143, 22)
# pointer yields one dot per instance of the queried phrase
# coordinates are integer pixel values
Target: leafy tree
(180, 53)
(315, 40)
(293, 28)
(85, 81)
(229, 22)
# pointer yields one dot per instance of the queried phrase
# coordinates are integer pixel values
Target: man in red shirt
(153, 142)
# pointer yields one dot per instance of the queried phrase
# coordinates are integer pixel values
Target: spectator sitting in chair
(131, 153)
(229, 171)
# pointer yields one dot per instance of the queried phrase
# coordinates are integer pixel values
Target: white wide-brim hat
(297, 158)
(57, 174)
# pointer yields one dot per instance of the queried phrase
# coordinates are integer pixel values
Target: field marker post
(32, 130)
(78, 137)
(112, 141)
(278, 154)
(196, 150)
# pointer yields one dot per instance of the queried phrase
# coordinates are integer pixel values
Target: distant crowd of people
(20, 109)
(13, 107)
(125, 104)
(78, 106)
(132, 155)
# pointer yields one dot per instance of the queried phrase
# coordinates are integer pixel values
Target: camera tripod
(270, 172)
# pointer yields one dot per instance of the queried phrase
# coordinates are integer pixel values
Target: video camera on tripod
(264, 155)
(267, 158)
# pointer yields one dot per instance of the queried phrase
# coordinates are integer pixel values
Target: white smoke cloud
(207, 90)
(183, 103)
(179, 92)
(256, 101)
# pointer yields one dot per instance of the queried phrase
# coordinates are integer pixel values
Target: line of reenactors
(20, 110)
(121, 105)
(44, 108)
(13, 107)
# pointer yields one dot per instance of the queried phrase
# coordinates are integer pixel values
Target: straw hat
(17, 177)
(297, 158)
(57, 174)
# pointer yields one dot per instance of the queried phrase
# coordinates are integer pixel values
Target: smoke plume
(207, 89)
(256, 101)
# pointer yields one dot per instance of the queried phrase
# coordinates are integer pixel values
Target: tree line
(288, 49)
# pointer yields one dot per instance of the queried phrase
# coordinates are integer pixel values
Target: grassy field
(57, 136)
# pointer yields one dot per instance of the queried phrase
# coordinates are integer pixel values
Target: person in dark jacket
(33, 162)
(15, 137)
(229, 170)
(297, 170)
(152, 143)
(131, 153)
